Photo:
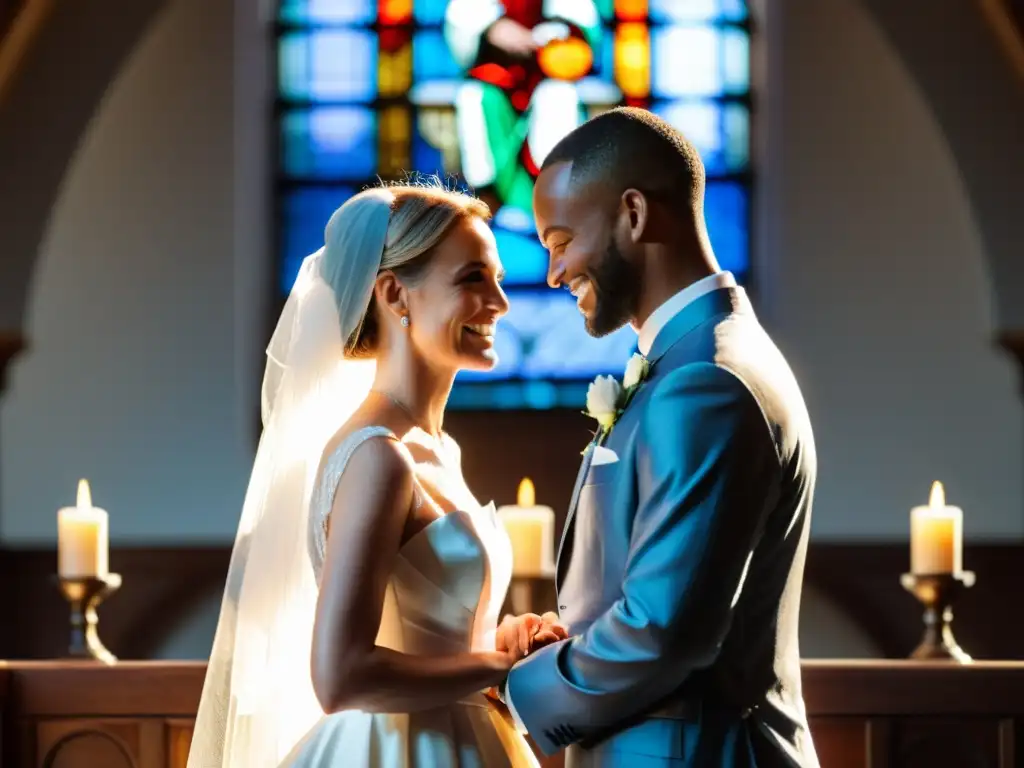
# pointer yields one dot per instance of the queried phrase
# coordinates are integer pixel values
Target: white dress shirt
(662, 315)
(648, 333)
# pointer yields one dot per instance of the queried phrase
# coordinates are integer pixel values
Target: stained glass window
(381, 88)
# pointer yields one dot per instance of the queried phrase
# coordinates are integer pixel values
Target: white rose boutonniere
(636, 371)
(607, 399)
(603, 397)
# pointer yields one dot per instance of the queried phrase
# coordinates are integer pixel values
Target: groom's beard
(616, 285)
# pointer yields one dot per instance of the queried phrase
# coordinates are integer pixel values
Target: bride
(359, 616)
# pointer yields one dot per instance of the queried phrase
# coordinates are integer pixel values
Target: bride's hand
(520, 635)
(514, 634)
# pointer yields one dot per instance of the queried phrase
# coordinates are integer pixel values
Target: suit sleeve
(707, 469)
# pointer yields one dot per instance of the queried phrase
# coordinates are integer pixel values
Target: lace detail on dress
(322, 499)
(323, 492)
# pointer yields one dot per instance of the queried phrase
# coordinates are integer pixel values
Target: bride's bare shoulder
(361, 420)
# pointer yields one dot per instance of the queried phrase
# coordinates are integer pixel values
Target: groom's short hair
(630, 147)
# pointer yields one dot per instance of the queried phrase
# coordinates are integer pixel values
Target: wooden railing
(164, 587)
(21, 22)
(877, 714)
(1006, 20)
(8, 10)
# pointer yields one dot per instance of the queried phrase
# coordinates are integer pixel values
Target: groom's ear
(391, 294)
(637, 210)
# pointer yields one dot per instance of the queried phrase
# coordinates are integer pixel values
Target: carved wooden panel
(84, 749)
(82, 743)
(963, 742)
(179, 737)
(863, 714)
(107, 742)
(841, 742)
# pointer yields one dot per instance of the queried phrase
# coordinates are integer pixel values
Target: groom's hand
(551, 631)
(521, 635)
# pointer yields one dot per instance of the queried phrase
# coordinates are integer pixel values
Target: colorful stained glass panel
(524, 258)
(327, 11)
(719, 130)
(529, 348)
(394, 11)
(727, 213)
(698, 61)
(330, 143)
(517, 394)
(394, 65)
(435, 142)
(429, 13)
(370, 88)
(432, 58)
(688, 11)
(328, 65)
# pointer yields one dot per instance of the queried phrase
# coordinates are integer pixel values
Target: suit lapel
(721, 301)
(563, 557)
(718, 302)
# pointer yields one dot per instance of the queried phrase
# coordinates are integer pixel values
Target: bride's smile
(455, 307)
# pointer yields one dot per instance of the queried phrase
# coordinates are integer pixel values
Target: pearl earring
(405, 321)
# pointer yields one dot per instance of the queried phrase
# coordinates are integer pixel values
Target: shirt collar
(660, 317)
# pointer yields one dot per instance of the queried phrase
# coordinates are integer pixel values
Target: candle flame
(526, 497)
(84, 495)
(937, 498)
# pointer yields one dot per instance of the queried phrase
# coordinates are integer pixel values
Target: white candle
(936, 535)
(82, 538)
(532, 531)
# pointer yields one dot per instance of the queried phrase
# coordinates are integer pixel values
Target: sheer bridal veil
(258, 699)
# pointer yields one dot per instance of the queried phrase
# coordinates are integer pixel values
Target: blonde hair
(421, 216)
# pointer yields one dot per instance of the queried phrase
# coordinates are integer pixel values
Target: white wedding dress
(443, 597)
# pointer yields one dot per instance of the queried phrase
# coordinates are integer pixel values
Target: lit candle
(532, 531)
(936, 535)
(82, 538)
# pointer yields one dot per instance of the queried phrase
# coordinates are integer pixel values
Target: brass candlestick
(937, 592)
(84, 594)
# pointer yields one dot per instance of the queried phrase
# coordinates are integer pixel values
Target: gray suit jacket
(680, 567)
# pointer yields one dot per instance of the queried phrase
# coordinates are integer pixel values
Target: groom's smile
(575, 220)
(581, 288)
(567, 265)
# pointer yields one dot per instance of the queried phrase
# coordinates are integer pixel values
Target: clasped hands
(519, 636)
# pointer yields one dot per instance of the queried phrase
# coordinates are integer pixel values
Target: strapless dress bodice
(449, 580)
(448, 585)
(444, 594)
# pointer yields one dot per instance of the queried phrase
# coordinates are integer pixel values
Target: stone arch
(977, 97)
(60, 83)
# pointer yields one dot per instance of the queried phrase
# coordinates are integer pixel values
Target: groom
(681, 562)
